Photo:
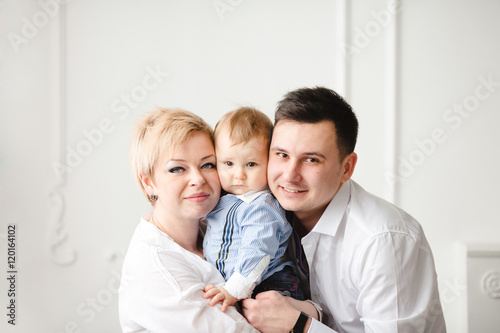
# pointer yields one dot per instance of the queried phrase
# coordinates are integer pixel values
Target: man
(370, 267)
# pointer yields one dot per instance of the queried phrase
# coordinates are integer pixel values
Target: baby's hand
(219, 294)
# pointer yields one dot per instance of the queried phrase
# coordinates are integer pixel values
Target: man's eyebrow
(311, 153)
(277, 148)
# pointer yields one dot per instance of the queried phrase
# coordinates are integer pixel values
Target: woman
(164, 272)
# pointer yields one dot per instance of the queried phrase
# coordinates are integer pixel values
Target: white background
(75, 76)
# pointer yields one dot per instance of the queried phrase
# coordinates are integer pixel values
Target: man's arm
(397, 284)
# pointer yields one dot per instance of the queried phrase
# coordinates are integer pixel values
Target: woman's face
(186, 181)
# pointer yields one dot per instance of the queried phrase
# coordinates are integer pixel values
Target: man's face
(305, 171)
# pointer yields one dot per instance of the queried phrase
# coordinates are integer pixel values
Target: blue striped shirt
(243, 231)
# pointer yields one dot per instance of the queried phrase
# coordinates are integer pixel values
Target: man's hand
(271, 312)
(219, 294)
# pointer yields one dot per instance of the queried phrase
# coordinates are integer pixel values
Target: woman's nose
(197, 178)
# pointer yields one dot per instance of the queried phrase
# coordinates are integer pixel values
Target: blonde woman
(164, 272)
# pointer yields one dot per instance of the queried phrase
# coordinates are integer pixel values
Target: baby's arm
(219, 294)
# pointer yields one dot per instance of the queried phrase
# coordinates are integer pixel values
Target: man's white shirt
(371, 268)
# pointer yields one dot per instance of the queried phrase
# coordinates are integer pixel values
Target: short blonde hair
(245, 124)
(158, 132)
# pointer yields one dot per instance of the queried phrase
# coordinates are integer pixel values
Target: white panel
(483, 288)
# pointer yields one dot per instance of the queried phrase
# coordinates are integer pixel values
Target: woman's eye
(208, 166)
(176, 170)
(282, 155)
(228, 163)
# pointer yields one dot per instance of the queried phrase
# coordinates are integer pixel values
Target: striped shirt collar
(252, 195)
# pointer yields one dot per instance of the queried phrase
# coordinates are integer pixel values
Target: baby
(247, 231)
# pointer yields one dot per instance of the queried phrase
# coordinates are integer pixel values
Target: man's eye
(228, 163)
(311, 160)
(208, 166)
(176, 170)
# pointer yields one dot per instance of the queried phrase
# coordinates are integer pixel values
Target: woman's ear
(348, 165)
(147, 183)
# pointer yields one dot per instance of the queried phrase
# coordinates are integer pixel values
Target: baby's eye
(176, 170)
(229, 163)
(208, 166)
(251, 164)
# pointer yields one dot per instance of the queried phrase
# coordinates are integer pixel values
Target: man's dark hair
(313, 105)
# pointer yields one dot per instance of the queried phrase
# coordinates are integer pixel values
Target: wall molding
(484, 278)
(392, 101)
(59, 251)
(491, 283)
(392, 83)
(344, 36)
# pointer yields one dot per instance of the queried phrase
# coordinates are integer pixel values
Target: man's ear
(348, 166)
(147, 183)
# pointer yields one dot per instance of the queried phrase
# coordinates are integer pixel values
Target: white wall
(72, 85)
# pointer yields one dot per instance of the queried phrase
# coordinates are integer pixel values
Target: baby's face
(242, 167)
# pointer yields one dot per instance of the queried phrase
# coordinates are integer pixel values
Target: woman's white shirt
(162, 286)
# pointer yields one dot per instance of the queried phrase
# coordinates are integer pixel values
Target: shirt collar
(252, 195)
(334, 212)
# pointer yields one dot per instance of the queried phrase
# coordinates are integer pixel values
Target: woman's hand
(219, 294)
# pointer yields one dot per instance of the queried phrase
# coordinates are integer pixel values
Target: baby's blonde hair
(161, 132)
(245, 124)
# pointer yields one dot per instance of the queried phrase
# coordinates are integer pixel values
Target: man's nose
(292, 173)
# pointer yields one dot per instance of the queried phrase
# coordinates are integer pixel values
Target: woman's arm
(164, 292)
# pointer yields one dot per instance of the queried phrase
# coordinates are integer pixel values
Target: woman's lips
(198, 197)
